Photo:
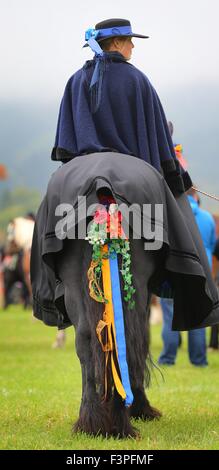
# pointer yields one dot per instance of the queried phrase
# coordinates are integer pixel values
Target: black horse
(178, 268)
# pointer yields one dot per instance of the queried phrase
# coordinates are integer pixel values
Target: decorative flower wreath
(179, 154)
(106, 228)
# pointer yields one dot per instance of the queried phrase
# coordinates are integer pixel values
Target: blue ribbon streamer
(97, 77)
(98, 54)
(95, 46)
(119, 326)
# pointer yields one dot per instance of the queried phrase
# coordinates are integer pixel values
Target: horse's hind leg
(121, 425)
(141, 407)
(93, 417)
(137, 331)
(72, 266)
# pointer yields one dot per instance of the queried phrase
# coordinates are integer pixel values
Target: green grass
(40, 391)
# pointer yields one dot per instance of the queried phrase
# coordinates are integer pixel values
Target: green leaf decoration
(97, 236)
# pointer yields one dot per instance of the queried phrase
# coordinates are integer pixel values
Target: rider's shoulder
(139, 75)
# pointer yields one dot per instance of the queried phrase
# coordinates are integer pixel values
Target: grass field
(40, 391)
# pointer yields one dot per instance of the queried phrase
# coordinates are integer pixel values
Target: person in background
(197, 337)
(60, 340)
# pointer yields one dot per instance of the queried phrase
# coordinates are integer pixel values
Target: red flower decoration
(114, 226)
(101, 216)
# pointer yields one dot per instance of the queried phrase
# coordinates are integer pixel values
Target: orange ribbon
(107, 324)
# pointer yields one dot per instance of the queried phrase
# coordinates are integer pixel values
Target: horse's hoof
(94, 419)
(152, 413)
(126, 433)
(121, 424)
(148, 414)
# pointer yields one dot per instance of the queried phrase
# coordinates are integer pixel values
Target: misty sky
(41, 42)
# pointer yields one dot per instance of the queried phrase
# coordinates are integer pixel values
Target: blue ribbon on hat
(107, 32)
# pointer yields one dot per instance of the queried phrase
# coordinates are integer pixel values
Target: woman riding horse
(113, 137)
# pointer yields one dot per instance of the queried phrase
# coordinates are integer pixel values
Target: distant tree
(5, 198)
(3, 173)
(16, 203)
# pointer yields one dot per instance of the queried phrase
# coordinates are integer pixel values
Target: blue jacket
(206, 225)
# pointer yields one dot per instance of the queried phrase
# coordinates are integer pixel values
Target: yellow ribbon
(94, 288)
(108, 324)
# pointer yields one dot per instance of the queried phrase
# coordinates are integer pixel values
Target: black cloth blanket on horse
(184, 275)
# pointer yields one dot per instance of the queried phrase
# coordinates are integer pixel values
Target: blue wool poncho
(129, 119)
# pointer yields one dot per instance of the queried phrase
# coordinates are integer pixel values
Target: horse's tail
(136, 322)
(138, 335)
(94, 313)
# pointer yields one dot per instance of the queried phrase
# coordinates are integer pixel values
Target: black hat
(111, 28)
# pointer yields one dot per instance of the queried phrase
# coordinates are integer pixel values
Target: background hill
(26, 135)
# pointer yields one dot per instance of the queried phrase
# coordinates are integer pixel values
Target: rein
(216, 198)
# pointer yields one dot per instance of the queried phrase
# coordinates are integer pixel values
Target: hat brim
(139, 36)
(133, 35)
